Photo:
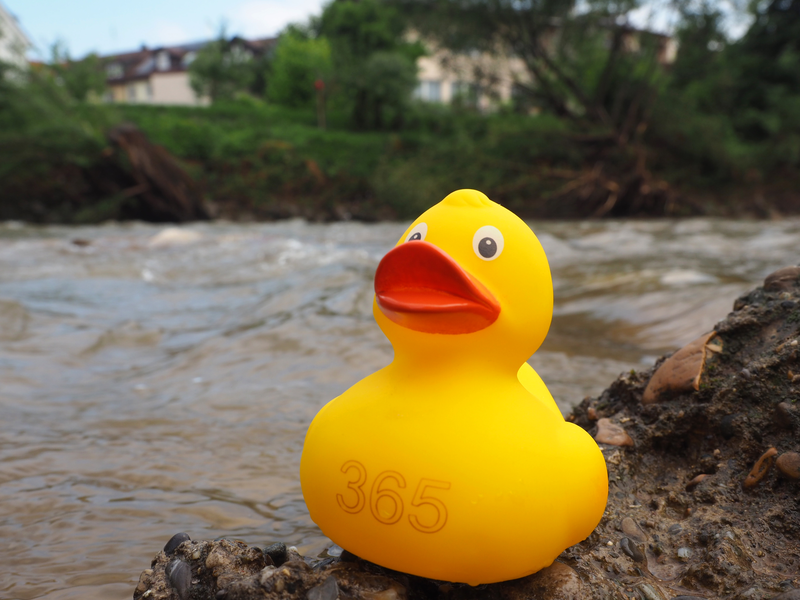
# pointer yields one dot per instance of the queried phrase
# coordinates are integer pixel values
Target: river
(157, 380)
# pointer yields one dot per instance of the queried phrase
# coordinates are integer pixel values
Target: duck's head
(468, 277)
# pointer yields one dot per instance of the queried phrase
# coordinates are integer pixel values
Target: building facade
(14, 44)
(161, 75)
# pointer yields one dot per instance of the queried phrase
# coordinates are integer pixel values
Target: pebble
(680, 372)
(328, 590)
(629, 547)
(684, 552)
(632, 530)
(760, 469)
(611, 433)
(591, 413)
(785, 415)
(782, 279)
(696, 480)
(648, 592)
(277, 552)
(727, 427)
(788, 463)
(790, 595)
(180, 577)
(175, 541)
(675, 529)
(556, 582)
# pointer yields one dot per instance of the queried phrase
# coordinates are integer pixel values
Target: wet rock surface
(695, 508)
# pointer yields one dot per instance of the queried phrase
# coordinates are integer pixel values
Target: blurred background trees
(609, 119)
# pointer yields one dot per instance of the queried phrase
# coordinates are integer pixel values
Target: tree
(82, 79)
(298, 63)
(375, 68)
(585, 62)
(222, 68)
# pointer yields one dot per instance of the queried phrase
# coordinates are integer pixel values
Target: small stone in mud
(782, 279)
(632, 530)
(761, 468)
(680, 372)
(649, 592)
(785, 415)
(788, 463)
(277, 552)
(175, 541)
(790, 595)
(726, 426)
(696, 480)
(611, 433)
(630, 548)
(327, 590)
(180, 577)
(556, 582)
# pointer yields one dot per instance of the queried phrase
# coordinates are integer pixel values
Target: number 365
(386, 504)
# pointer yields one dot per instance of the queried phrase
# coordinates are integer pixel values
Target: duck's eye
(418, 232)
(488, 242)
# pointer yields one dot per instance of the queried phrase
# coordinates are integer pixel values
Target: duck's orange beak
(419, 286)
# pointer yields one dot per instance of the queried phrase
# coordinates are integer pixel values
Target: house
(160, 75)
(485, 80)
(14, 44)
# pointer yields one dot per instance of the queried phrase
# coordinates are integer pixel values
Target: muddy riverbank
(704, 471)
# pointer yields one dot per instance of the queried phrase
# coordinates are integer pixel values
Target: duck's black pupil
(487, 247)
(415, 236)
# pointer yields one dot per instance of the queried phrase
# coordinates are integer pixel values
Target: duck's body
(452, 462)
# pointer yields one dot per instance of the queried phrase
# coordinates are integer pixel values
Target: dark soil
(680, 522)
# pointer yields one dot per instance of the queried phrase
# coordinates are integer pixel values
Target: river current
(158, 379)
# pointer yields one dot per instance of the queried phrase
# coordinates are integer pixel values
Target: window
(114, 71)
(163, 61)
(131, 89)
(188, 58)
(429, 91)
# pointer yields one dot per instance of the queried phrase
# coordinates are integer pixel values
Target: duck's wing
(531, 381)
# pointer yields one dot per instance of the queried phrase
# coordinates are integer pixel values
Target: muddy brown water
(156, 380)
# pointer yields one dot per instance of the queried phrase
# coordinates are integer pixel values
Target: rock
(696, 480)
(179, 575)
(556, 582)
(788, 463)
(630, 548)
(632, 530)
(175, 541)
(611, 433)
(726, 426)
(649, 591)
(790, 595)
(328, 590)
(277, 552)
(760, 469)
(782, 279)
(680, 372)
(785, 415)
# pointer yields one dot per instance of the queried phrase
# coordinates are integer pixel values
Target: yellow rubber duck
(453, 462)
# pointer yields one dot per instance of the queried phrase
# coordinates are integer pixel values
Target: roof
(140, 64)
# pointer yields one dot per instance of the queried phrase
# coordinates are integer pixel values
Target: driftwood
(164, 191)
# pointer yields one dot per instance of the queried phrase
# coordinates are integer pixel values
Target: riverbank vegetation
(326, 127)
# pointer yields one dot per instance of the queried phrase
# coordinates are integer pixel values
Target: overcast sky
(105, 26)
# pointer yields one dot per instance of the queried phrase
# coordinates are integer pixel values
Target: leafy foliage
(374, 67)
(299, 62)
(223, 67)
